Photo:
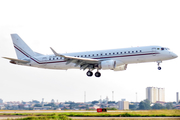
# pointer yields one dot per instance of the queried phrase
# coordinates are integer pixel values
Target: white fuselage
(124, 55)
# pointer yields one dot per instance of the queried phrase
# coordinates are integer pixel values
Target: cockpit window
(162, 48)
(157, 48)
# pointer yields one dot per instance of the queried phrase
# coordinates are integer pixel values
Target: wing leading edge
(83, 62)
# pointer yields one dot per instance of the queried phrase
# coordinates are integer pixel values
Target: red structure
(99, 110)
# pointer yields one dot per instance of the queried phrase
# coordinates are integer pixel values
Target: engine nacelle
(108, 65)
(121, 67)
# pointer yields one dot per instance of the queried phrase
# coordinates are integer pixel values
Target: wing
(16, 60)
(83, 62)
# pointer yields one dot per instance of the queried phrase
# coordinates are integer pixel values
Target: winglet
(55, 53)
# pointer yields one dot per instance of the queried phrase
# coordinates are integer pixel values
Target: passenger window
(121, 52)
(109, 53)
(85, 56)
(140, 50)
(128, 51)
(124, 52)
(89, 55)
(117, 53)
(81, 55)
(136, 51)
(93, 55)
(132, 51)
(105, 53)
(101, 54)
(113, 53)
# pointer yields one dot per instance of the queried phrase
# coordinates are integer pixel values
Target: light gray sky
(84, 25)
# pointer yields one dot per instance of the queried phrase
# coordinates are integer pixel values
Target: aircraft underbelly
(139, 59)
(61, 66)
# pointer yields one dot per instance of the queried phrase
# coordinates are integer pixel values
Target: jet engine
(121, 67)
(108, 64)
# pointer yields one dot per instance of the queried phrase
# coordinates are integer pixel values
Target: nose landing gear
(159, 68)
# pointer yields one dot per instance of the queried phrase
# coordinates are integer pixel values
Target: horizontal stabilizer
(16, 60)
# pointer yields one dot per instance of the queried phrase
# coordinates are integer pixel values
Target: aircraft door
(154, 50)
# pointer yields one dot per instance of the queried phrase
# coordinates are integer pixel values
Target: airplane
(113, 59)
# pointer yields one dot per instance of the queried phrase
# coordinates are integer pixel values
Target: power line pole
(112, 95)
(84, 96)
(136, 101)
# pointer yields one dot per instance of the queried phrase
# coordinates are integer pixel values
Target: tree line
(146, 105)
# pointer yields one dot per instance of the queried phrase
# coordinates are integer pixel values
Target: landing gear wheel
(97, 74)
(89, 73)
(159, 68)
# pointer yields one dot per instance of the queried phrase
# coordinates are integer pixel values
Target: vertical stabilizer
(21, 48)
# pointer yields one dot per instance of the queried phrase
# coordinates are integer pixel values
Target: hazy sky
(84, 25)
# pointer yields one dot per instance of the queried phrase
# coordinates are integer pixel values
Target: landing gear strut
(159, 68)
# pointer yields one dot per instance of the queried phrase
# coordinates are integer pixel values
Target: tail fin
(21, 48)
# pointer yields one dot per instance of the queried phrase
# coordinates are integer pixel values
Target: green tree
(169, 106)
(37, 105)
(111, 102)
(111, 108)
(94, 102)
(142, 105)
(158, 106)
(132, 107)
(145, 105)
(51, 104)
(21, 106)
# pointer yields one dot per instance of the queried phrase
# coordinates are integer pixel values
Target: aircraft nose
(174, 55)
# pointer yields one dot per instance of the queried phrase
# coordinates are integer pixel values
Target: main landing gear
(159, 68)
(90, 73)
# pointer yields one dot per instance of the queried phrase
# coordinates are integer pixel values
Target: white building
(154, 94)
(123, 105)
(161, 94)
